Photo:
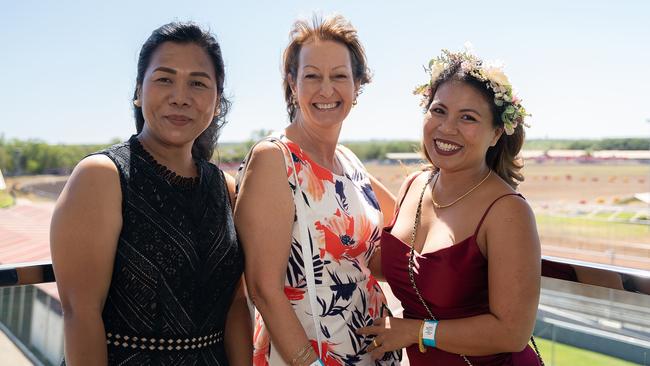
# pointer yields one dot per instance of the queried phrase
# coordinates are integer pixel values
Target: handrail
(26, 273)
(603, 275)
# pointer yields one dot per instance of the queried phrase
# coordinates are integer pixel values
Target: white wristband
(429, 333)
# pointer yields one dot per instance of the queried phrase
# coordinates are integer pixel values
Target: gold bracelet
(302, 355)
(421, 346)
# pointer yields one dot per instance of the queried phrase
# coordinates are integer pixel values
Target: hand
(391, 334)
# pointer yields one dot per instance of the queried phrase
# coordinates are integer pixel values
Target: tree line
(18, 157)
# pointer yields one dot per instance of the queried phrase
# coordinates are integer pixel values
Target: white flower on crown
(493, 71)
(436, 69)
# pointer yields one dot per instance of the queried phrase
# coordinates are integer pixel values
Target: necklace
(437, 205)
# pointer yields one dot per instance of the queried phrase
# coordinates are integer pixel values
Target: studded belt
(163, 344)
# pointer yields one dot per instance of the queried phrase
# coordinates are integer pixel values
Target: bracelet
(429, 333)
(420, 344)
(302, 355)
(318, 362)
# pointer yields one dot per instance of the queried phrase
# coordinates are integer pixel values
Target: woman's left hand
(391, 334)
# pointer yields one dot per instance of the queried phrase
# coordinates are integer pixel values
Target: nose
(326, 88)
(448, 125)
(180, 95)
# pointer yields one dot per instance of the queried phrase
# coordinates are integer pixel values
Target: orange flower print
(327, 359)
(261, 342)
(342, 238)
(314, 174)
(293, 294)
(376, 297)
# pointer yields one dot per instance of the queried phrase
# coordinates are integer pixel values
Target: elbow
(515, 340)
(262, 295)
(517, 344)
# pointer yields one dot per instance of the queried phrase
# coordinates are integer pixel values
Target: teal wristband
(318, 362)
(429, 333)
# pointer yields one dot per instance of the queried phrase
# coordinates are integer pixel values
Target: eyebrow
(335, 67)
(470, 110)
(437, 102)
(193, 73)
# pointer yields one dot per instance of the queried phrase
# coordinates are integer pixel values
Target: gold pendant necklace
(437, 205)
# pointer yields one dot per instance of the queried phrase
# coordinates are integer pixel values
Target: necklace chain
(418, 214)
(437, 205)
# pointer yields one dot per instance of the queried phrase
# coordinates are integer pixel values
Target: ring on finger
(374, 343)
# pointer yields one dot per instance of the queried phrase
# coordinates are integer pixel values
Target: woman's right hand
(84, 232)
(264, 215)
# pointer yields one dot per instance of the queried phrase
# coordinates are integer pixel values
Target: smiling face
(178, 94)
(324, 87)
(458, 127)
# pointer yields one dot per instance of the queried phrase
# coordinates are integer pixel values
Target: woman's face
(179, 93)
(324, 87)
(458, 127)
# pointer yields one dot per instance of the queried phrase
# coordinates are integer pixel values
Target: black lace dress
(177, 264)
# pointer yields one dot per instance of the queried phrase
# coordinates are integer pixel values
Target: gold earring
(354, 102)
(137, 103)
(294, 101)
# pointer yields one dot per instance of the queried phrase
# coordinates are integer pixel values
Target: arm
(239, 330)
(385, 198)
(513, 253)
(264, 219)
(84, 232)
(230, 184)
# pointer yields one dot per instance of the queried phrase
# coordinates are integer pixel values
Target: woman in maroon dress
(463, 255)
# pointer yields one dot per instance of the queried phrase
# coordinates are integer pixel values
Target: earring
(217, 111)
(137, 103)
(293, 101)
(354, 102)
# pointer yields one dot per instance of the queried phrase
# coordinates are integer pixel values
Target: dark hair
(333, 28)
(502, 158)
(187, 32)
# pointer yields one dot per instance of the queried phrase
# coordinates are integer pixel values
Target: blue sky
(68, 67)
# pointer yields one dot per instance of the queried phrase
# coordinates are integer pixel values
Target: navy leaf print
(370, 197)
(325, 330)
(295, 265)
(340, 289)
(340, 196)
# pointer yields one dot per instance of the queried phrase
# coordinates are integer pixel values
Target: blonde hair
(333, 28)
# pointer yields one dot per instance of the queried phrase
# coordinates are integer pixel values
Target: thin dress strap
(490, 207)
(399, 205)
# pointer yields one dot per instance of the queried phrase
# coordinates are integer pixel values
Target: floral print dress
(343, 219)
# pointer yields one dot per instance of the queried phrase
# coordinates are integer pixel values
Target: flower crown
(489, 73)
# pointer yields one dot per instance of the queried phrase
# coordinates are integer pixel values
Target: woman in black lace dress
(144, 248)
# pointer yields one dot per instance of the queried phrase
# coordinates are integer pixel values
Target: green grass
(564, 355)
(584, 227)
(5, 199)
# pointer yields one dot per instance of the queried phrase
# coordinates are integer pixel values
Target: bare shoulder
(509, 210)
(510, 227)
(413, 180)
(93, 174)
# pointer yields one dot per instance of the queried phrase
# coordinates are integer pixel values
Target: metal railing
(596, 307)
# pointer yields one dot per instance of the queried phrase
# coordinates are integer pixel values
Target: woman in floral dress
(300, 192)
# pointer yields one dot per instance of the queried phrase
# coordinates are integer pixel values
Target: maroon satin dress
(454, 283)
